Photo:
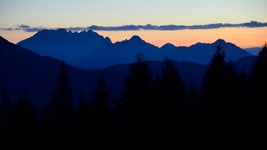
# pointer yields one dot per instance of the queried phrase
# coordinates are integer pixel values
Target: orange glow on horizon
(242, 37)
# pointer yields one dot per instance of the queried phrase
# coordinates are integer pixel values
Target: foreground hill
(26, 71)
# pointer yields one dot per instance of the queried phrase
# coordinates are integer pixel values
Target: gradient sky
(85, 13)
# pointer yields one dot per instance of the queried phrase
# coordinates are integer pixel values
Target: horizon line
(148, 27)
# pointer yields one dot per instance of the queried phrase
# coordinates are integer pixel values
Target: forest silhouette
(154, 111)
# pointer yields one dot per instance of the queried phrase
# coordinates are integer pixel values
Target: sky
(180, 22)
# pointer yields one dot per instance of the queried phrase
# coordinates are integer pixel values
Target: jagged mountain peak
(89, 32)
(168, 45)
(88, 49)
(136, 38)
(61, 30)
(108, 39)
(49, 31)
(64, 32)
(220, 41)
(217, 42)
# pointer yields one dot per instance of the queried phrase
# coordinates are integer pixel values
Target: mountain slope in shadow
(89, 50)
(26, 71)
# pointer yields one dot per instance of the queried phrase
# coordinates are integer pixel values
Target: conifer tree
(257, 99)
(82, 129)
(193, 114)
(259, 74)
(23, 122)
(5, 107)
(5, 104)
(47, 127)
(62, 105)
(173, 87)
(137, 85)
(211, 94)
(172, 93)
(100, 97)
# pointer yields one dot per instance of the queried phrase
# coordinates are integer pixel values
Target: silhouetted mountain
(253, 50)
(245, 63)
(73, 47)
(26, 71)
(90, 50)
(120, 52)
(202, 52)
(168, 47)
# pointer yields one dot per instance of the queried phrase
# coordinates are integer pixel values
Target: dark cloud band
(251, 24)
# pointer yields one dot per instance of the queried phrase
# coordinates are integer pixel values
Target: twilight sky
(180, 22)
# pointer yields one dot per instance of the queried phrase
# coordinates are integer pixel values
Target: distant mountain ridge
(253, 50)
(26, 71)
(89, 50)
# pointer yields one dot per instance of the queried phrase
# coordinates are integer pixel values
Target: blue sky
(65, 13)
(85, 13)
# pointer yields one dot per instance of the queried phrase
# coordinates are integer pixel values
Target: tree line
(158, 111)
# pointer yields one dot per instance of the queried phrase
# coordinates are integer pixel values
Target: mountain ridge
(89, 50)
(26, 71)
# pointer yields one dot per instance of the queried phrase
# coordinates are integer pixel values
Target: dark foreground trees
(256, 102)
(221, 100)
(166, 109)
(154, 111)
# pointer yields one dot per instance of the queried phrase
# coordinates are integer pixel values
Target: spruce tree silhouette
(211, 95)
(220, 95)
(242, 112)
(257, 104)
(47, 127)
(229, 106)
(23, 123)
(170, 96)
(5, 107)
(82, 130)
(193, 115)
(62, 105)
(259, 74)
(100, 100)
(137, 84)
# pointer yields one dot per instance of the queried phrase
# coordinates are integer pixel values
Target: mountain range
(89, 50)
(24, 71)
(35, 73)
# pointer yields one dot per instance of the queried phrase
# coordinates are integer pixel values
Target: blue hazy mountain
(73, 47)
(89, 50)
(202, 52)
(253, 50)
(245, 63)
(26, 71)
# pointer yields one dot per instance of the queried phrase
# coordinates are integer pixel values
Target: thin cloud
(23, 26)
(116, 28)
(34, 29)
(76, 29)
(251, 24)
